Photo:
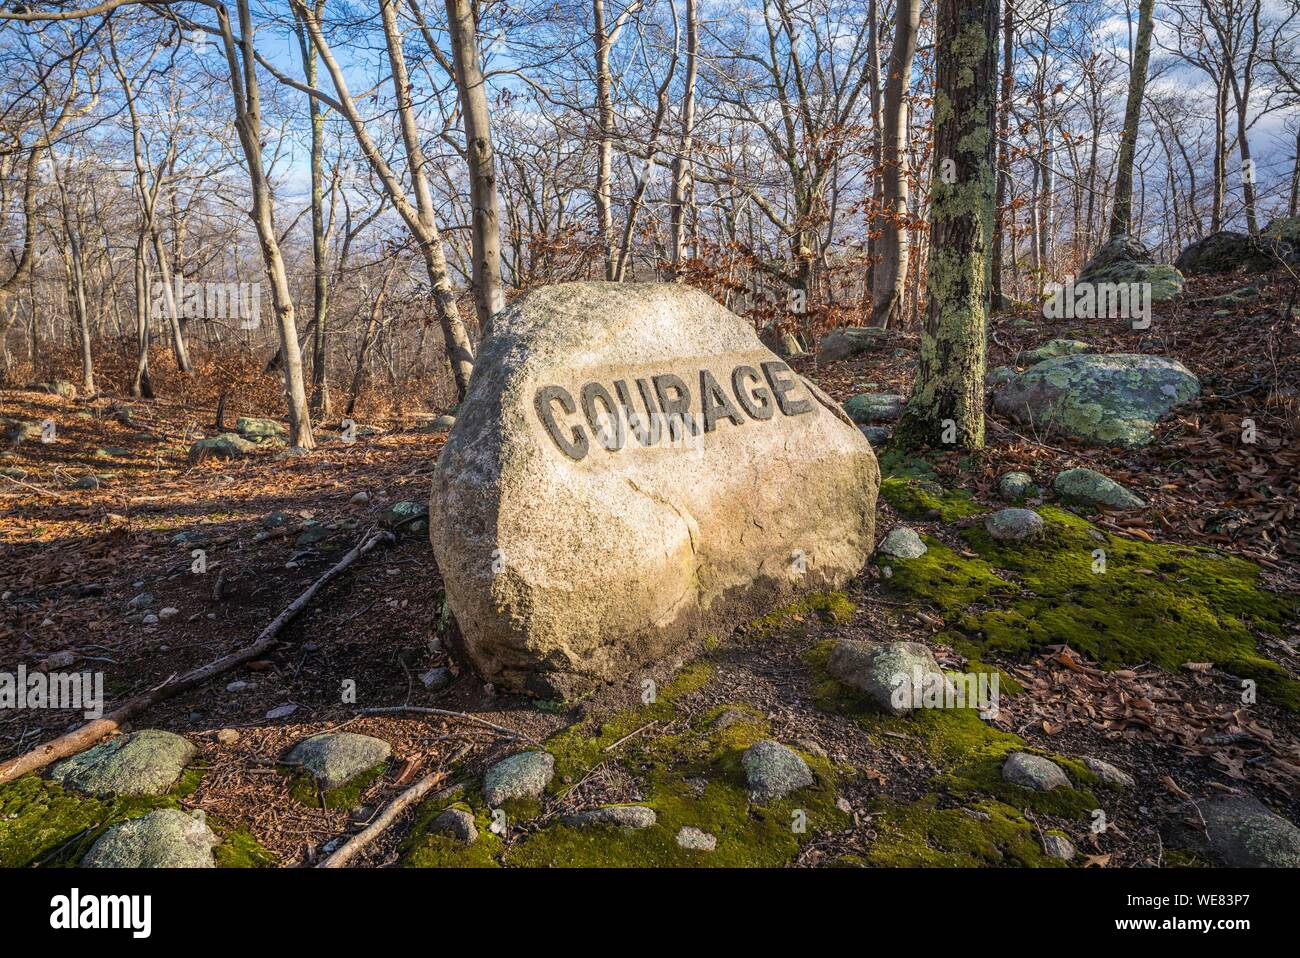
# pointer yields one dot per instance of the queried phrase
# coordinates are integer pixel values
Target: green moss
(1157, 603)
(832, 607)
(42, 823)
(923, 499)
(921, 834)
(304, 789)
(425, 849)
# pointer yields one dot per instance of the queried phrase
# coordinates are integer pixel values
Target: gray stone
(86, 482)
(1016, 486)
(436, 678)
(850, 341)
(1033, 771)
(624, 816)
(226, 446)
(407, 518)
(876, 435)
(773, 771)
(1239, 831)
(565, 568)
(525, 775)
(998, 375)
(17, 431)
(147, 762)
(1051, 350)
(444, 423)
(336, 758)
(1086, 487)
(1058, 846)
(54, 387)
(694, 840)
(260, 430)
(902, 543)
(1125, 260)
(457, 822)
(1226, 251)
(1014, 525)
(165, 838)
(1105, 399)
(872, 408)
(886, 672)
(1108, 773)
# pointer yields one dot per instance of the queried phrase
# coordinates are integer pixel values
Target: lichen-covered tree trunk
(1122, 211)
(947, 403)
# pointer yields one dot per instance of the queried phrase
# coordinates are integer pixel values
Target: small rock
(902, 543)
(406, 517)
(885, 672)
(168, 612)
(239, 685)
(1016, 486)
(150, 619)
(228, 736)
(773, 771)
(624, 816)
(1058, 846)
(1086, 487)
(335, 758)
(226, 446)
(1033, 771)
(457, 822)
(86, 482)
(692, 839)
(1108, 773)
(876, 435)
(1014, 525)
(525, 775)
(874, 408)
(165, 838)
(147, 762)
(435, 679)
(1051, 350)
(998, 375)
(282, 711)
(360, 498)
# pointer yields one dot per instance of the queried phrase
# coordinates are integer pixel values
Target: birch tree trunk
(890, 275)
(1122, 212)
(947, 402)
(681, 170)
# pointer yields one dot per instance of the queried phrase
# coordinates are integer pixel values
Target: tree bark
(681, 171)
(1122, 212)
(947, 402)
(890, 275)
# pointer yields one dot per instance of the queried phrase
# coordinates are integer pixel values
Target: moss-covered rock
(925, 499)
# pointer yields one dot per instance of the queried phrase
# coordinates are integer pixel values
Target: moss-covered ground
(44, 824)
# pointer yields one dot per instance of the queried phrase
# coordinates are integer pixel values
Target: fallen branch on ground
(354, 845)
(81, 738)
(448, 713)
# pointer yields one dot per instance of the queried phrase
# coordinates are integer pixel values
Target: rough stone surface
(902, 543)
(226, 446)
(624, 816)
(1108, 773)
(458, 823)
(1058, 846)
(1016, 486)
(1014, 525)
(878, 669)
(692, 839)
(1224, 252)
(1087, 487)
(850, 341)
(773, 771)
(260, 430)
(1239, 831)
(1110, 399)
(870, 408)
(335, 758)
(1125, 260)
(1033, 771)
(1051, 350)
(525, 775)
(407, 518)
(166, 838)
(788, 347)
(998, 375)
(563, 569)
(147, 762)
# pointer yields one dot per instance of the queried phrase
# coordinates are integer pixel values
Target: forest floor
(892, 791)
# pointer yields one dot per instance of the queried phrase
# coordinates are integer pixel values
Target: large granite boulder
(148, 762)
(1223, 252)
(1125, 260)
(619, 481)
(1103, 399)
(166, 838)
(1234, 831)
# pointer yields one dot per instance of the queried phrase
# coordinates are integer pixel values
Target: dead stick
(353, 846)
(83, 737)
(448, 713)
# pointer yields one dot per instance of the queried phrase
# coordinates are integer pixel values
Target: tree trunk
(947, 402)
(890, 275)
(604, 139)
(489, 296)
(1004, 147)
(320, 279)
(681, 186)
(1122, 211)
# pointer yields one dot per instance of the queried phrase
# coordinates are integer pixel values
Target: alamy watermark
(53, 690)
(194, 300)
(1071, 300)
(924, 689)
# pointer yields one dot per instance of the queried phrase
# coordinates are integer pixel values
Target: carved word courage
(651, 407)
